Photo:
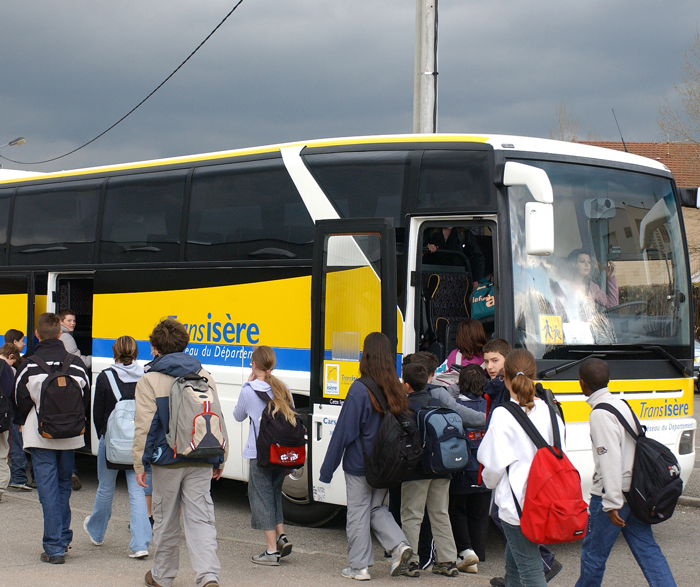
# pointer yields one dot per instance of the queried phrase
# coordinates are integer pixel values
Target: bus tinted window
(4, 217)
(455, 179)
(247, 211)
(363, 185)
(142, 216)
(55, 224)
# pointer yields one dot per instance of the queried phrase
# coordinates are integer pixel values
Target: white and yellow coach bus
(307, 247)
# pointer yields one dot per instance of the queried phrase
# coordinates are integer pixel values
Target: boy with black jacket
(423, 490)
(52, 458)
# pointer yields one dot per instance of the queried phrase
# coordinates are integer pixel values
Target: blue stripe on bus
(226, 355)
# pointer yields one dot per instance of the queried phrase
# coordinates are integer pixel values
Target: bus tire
(298, 508)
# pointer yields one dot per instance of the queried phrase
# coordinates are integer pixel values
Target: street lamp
(19, 141)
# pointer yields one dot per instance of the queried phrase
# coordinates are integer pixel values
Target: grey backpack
(119, 437)
(195, 428)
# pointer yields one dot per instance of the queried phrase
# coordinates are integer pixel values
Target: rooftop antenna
(618, 130)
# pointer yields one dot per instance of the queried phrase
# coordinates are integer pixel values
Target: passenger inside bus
(442, 243)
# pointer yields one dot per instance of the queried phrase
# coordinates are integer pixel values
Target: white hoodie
(506, 444)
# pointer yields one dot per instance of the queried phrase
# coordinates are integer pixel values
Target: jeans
(523, 561)
(601, 536)
(102, 510)
(53, 470)
(18, 458)
(265, 495)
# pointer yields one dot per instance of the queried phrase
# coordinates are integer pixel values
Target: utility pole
(425, 67)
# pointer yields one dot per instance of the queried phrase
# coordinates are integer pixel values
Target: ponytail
(264, 359)
(521, 369)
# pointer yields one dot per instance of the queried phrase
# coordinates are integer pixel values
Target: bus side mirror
(539, 215)
(690, 197)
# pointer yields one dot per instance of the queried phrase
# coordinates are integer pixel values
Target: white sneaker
(399, 559)
(357, 574)
(141, 554)
(466, 558)
(85, 523)
(473, 569)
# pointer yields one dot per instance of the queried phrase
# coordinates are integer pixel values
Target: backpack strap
(66, 363)
(113, 384)
(625, 424)
(530, 429)
(369, 383)
(41, 364)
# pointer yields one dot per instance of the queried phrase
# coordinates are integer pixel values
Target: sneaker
(399, 559)
(57, 559)
(271, 560)
(556, 567)
(465, 559)
(32, 484)
(448, 569)
(284, 545)
(150, 581)
(357, 574)
(211, 584)
(85, 523)
(75, 482)
(473, 569)
(412, 570)
(21, 487)
(498, 582)
(140, 554)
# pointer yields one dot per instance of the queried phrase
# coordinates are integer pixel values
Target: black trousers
(469, 515)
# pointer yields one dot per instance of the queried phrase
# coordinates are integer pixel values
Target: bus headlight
(685, 446)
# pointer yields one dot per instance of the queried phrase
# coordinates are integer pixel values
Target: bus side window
(141, 220)
(247, 211)
(4, 219)
(55, 224)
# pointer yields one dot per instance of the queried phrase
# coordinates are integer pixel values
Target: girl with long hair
(358, 423)
(264, 483)
(470, 341)
(506, 452)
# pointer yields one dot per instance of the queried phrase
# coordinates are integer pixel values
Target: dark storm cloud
(283, 70)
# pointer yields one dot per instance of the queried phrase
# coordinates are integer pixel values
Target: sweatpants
(187, 488)
(366, 510)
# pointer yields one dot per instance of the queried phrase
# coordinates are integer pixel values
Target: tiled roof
(683, 159)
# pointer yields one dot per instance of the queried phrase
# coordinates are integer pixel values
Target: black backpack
(656, 475)
(280, 444)
(61, 409)
(397, 446)
(5, 410)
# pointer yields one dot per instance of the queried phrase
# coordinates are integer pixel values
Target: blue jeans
(601, 536)
(18, 458)
(53, 470)
(102, 510)
(523, 560)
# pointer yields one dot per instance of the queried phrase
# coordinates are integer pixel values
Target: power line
(135, 107)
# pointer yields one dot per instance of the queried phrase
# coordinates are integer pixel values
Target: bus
(307, 247)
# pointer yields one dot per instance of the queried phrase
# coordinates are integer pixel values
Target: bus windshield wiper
(547, 373)
(663, 353)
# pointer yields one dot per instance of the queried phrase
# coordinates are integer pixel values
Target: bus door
(353, 293)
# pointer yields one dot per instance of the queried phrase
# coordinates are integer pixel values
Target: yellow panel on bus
(14, 312)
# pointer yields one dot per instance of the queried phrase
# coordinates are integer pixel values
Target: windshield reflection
(618, 273)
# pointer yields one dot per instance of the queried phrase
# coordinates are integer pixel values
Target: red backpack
(553, 510)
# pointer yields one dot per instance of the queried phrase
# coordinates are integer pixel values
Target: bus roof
(497, 142)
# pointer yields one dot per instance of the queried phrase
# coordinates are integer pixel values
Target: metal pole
(425, 67)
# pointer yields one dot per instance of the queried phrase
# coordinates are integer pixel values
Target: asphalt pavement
(318, 556)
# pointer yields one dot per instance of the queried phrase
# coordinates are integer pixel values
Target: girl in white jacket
(506, 452)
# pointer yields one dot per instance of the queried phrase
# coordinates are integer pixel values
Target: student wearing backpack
(609, 513)
(506, 452)
(264, 482)
(8, 354)
(62, 421)
(181, 484)
(426, 490)
(124, 374)
(358, 423)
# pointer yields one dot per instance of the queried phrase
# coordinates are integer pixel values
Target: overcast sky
(288, 70)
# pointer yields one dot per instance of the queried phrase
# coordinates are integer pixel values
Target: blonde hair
(264, 359)
(125, 350)
(520, 368)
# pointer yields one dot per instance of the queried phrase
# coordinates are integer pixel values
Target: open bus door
(353, 293)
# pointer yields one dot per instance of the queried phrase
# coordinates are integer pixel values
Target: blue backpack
(445, 447)
(469, 481)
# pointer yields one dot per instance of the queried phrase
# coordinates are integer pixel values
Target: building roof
(683, 159)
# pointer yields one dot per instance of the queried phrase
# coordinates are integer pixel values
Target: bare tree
(684, 124)
(566, 125)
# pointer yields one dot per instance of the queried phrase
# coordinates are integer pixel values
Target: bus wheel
(298, 508)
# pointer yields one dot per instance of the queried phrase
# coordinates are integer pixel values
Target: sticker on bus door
(338, 376)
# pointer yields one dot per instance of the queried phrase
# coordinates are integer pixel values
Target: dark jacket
(469, 481)
(357, 416)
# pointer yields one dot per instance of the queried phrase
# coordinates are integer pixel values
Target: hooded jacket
(153, 413)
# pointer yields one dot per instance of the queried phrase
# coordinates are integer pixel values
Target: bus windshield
(617, 276)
